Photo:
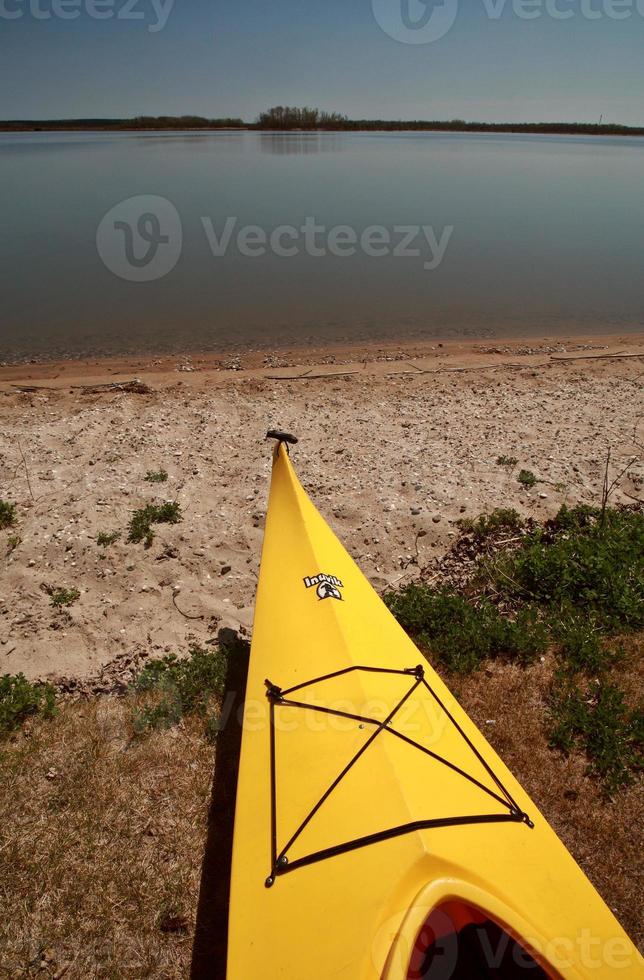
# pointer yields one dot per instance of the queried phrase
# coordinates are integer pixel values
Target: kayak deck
(416, 685)
(367, 799)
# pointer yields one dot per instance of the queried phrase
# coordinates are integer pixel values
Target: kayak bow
(377, 834)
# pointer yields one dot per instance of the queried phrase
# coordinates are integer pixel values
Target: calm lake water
(355, 236)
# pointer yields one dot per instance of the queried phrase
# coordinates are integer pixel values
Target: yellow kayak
(377, 834)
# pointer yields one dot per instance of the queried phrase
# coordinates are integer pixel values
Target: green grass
(19, 699)
(463, 634)
(169, 688)
(64, 597)
(582, 518)
(13, 541)
(581, 641)
(140, 526)
(578, 579)
(7, 514)
(576, 586)
(598, 720)
(106, 538)
(506, 461)
(527, 479)
(156, 476)
(581, 562)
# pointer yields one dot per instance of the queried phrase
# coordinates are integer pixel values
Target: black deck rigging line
(273, 787)
(405, 738)
(407, 828)
(280, 863)
(471, 745)
(348, 670)
(346, 769)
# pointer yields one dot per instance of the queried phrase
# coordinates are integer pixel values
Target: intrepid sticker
(326, 586)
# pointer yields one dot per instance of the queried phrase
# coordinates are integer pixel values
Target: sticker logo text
(326, 586)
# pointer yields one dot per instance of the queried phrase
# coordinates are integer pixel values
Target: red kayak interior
(459, 942)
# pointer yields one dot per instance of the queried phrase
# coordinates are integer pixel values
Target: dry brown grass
(101, 841)
(509, 705)
(102, 835)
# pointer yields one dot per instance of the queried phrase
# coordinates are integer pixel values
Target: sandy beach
(397, 444)
(101, 858)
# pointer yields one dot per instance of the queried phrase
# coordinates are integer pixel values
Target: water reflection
(547, 235)
(293, 143)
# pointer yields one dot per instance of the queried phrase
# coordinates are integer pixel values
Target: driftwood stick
(287, 377)
(311, 377)
(28, 389)
(639, 500)
(457, 370)
(593, 357)
(135, 385)
(31, 493)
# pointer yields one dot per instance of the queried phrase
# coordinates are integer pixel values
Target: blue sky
(220, 57)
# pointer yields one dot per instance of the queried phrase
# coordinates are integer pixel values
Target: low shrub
(501, 519)
(599, 720)
(580, 641)
(580, 561)
(156, 476)
(575, 584)
(106, 538)
(462, 634)
(19, 699)
(170, 687)
(140, 526)
(7, 514)
(527, 479)
(64, 597)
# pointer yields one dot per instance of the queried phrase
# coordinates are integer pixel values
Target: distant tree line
(137, 123)
(459, 126)
(183, 122)
(289, 118)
